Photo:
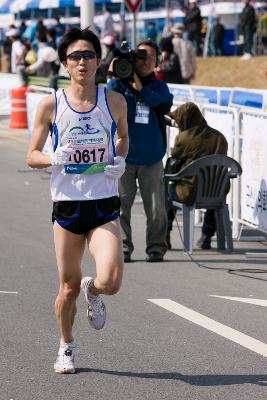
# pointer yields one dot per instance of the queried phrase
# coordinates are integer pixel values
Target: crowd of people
(31, 48)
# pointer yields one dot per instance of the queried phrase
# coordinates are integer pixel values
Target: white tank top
(93, 134)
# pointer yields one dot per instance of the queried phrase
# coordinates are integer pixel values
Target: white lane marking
(257, 302)
(5, 292)
(213, 326)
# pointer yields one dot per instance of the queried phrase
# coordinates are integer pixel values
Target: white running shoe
(246, 56)
(96, 310)
(65, 360)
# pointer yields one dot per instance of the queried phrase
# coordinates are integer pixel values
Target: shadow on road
(195, 380)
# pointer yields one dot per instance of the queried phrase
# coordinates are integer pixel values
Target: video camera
(123, 67)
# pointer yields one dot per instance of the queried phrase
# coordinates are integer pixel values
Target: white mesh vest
(93, 135)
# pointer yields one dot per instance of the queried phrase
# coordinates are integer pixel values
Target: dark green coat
(195, 139)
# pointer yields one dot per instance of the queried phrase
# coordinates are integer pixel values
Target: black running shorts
(80, 217)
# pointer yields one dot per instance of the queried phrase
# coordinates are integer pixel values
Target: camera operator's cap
(177, 28)
(109, 40)
(12, 33)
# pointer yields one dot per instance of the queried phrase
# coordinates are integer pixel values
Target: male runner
(89, 133)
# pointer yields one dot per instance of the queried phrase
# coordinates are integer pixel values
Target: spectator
(2, 41)
(59, 28)
(40, 27)
(262, 29)
(193, 23)
(167, 29)
(46, 57)
(6, 55)
(152, 32)
(22, 28)
(31, 55)
(51, 38)
(216, 38)
(186, 53)
(247, 24)
(169, 64)
(195, 139)
(17, 50)
(109, 46)
(148, 99)
(30, 31)
(108, 25)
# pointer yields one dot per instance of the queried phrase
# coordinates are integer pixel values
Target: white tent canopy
(14, 6)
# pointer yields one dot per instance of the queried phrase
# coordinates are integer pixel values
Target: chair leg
(188, 227)
(228, 228)
(220, 229)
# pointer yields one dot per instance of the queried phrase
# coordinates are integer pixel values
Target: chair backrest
(213, 174)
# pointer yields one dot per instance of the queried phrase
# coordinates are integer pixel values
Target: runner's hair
(74, 34)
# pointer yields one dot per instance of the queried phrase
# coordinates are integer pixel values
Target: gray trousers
(151, 185)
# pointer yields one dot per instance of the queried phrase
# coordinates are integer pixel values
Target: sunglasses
(78, 55)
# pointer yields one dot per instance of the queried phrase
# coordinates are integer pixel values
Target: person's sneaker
(96, 310)
(204, 242)
(246, 56)
(65, 360)
(154, 257)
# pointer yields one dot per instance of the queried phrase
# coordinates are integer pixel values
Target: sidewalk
(10, 133)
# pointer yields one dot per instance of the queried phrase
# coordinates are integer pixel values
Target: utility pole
(87, 13)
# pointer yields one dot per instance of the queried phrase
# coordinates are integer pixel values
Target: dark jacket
(147, 142)
(195, 139)
(193, 20)
(217, 35)
(247, 19)
(172, 69)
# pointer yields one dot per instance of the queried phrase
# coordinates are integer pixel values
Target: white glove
(62, 154)
(116, 170)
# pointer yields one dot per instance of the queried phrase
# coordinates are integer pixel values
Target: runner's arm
(118, 107)
(42, 125)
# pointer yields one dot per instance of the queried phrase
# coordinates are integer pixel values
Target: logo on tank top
(84, 118)
(83, 130)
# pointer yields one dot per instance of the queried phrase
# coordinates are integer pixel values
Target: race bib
(141, 114)
(88, 159)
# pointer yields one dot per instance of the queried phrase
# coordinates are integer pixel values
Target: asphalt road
(194, 347)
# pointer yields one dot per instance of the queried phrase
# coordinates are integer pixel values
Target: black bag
(172, 165)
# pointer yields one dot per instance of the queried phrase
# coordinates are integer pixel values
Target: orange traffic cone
(18, 108)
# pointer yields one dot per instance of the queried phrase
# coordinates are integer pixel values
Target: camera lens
(123, 69)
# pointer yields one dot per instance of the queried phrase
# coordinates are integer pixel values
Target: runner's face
(147, 66)
(82, 69)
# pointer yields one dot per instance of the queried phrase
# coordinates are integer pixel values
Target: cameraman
(148, 99)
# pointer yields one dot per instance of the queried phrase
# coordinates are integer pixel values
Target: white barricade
(199, 94)
(248, 98)
(33, 97)
(226, 121)
(253, 197)
(7, 82)
(181, 93)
